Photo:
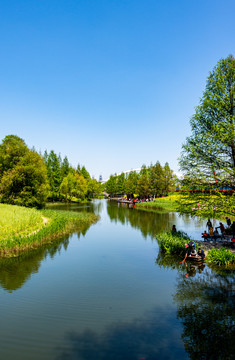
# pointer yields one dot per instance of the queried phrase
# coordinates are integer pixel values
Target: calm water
(107, 294)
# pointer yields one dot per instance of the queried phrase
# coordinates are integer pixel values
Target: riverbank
(192, 204)
(24, 229)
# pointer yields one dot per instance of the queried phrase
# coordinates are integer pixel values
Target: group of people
(192, 252)
(214, 234)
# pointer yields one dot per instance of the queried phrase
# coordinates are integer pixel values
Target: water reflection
(156, 336)
(15, 272)
(95, 207)
(206, 307)
(148, 223)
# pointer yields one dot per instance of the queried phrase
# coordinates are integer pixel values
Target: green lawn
(167, 203)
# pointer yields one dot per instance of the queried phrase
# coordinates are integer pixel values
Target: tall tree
(23, 174)
(131, 182)
(169, 179)
(54, 174)
(211, 147)
(65, 167)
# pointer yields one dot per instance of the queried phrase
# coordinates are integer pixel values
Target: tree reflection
(206, 306)
(14, 272)
(149, 223)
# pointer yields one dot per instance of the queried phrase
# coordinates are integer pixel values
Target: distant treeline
(155, 180)
(30, 179)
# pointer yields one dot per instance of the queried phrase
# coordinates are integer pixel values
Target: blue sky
(112, 84)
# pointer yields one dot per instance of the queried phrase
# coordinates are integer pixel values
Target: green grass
(167, 203)
(24, 229)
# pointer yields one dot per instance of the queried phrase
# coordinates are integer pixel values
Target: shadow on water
(154, 337)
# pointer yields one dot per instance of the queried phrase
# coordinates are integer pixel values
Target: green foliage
(74, 185)
(211, 147)
(173, 243)
(54, 173)
(206, 205)
(94, 188)
(23, 175)
(65, 167)
(153, 180)
(221, 257)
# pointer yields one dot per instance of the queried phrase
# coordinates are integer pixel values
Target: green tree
(131, 182)
(211, 147)
(94, 188)
(54, 174)
(169, 179)
(111, 185)
(74, 185)
(85, 173)
(156, 179)
(23, 174)
(65, 167)
(121, 184)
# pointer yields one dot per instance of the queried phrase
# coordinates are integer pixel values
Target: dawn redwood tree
(210, 150)
(54, 173)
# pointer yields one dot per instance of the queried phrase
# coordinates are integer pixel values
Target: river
(108, 294)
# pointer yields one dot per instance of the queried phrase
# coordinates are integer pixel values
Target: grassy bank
(174, 244)
(23, 229)
(168, 203)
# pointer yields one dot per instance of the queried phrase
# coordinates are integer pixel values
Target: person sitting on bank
(201, 253)
(173, 228)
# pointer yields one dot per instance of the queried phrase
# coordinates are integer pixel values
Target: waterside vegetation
(24, 229)
(173, 243)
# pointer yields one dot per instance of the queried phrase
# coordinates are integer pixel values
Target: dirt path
(208, 245)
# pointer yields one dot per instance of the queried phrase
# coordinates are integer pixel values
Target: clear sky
(112, 84)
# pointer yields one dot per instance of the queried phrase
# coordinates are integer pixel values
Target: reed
(173, 243)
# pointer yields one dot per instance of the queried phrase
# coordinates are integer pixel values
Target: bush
(221, 257)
